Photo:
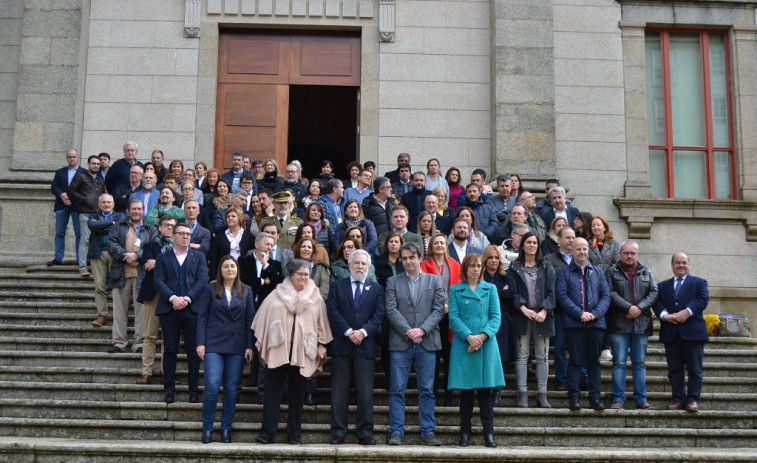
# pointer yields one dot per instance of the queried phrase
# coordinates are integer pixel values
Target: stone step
(445, 416)
(29, 307)
(28, 449)
(10, 295)
(69, 267)
(47, 284)
(59, 322)
(318, 433)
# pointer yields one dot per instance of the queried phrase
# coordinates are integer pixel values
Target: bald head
(580, 251)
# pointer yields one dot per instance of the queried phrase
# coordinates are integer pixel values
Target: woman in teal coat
(474, 317)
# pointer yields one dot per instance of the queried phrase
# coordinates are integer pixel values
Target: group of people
(417, 270)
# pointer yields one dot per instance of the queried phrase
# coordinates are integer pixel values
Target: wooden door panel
(253, 59)
(252, 105)
(325, 60)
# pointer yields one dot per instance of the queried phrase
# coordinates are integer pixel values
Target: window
(689, 114)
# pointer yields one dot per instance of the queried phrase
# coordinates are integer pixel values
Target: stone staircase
(63, 397)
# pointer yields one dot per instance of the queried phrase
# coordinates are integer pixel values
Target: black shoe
(263, 439)
(194, 398)
(54, 262)
(574, 403)
(293, 441)
(115, 350)
(169, 398)
(309, 399)
(226, 436)
(260, 399)
(596, 405)
(496, 399)
(464, 439)
(207, 437)
(489, 440)
(138, 351)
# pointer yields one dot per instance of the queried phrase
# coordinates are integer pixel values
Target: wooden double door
(255, 71)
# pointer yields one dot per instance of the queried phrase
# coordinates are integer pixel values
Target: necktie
(356, 297)
(679, 282)
(281, 222)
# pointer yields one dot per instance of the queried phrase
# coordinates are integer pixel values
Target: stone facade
(538, 87)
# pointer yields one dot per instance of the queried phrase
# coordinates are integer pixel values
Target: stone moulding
(192, 17)
(386, 20)
(344, 9)
(640, 214)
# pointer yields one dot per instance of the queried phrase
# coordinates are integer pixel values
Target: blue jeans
(561, 360)
(425, 364)
(221, 369)
(620, 343)
(61, 224)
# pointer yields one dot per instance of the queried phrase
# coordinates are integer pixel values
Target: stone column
(743, 59)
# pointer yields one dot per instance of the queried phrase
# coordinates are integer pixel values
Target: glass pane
(690, 174)
(686, 90)
(719, 91)
(655, 96)
(657, 175)
(722, 175)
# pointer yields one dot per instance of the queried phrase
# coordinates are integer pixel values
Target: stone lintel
(640, 214)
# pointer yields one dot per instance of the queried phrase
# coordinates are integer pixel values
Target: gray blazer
(404, 313)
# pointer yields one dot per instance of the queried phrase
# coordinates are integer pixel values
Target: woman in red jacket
(440, 263)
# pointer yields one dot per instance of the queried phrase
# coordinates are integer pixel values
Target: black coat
(508, 348)
(221, 246)
(222, 327)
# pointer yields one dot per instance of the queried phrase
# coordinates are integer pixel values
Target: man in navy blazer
(356, 309)
(180, 278)
(64, 208)
(200, 239)
(557, 198)
(459, 248)
(683, 330)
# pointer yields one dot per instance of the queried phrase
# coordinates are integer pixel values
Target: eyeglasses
(182, 233)
(302, 274)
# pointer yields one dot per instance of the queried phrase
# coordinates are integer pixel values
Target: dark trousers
(175, 324)
(584, 346)
(486, 410)
(682, 354)
(442, 355)
(276, 379)
(343, 371)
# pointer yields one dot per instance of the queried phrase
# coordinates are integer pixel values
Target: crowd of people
(414, 269)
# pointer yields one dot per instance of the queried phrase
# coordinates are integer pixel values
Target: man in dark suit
(180, 278)
(683, 331)
(459, 247)
(559, 207)
(414, 307)
(279, 254)
(234, 176)
(413, 200)
(64, 207)
(394, 175)
(200, 239)
(443, 224)
(356, 309)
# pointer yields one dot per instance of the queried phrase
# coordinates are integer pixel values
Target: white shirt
(460, 251)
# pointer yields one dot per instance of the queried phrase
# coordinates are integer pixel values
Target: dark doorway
(323, 125)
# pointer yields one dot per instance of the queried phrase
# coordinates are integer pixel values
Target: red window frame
(709, 148)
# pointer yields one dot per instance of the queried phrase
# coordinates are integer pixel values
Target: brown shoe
(692, 407)
(144, 379)
(562, 387)
(676, 406)
(616, 406)
(644, 406)
(101, 320)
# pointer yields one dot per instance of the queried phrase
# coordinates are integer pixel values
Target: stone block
(10, 31)
(474, 15)
(133, 34)
(231, 7)
(587, 18)
(111, 141)
(589, 72)
(150, 10)
(206, 93)
(149, 117)
(403, 94)
(8, 86)
(589, 100)
(106, 116)
(315, 8)
(64, 51)
(366, 9)
(409, 40)
(11, 9)
(332, 8)
(128, 89)
(9, 58)
(525, 117)
(390, 147)
(468, 124)
(159, 62)
(208, 63)
(96, 89)
(170, 34)
(480, 154)
(588, 45)
(34, 50)
(523, 9)
(527, 61)
(46, 108)
(59, 137)
(349, 8)
(181, 144)
(29, 136)
(525, 89)
(214, 6)
(421, 14)
(447, 41)
(119, 10)
(299, 8)
(450, 151)
(588, 127)
(575, 154)
(53, 4)
(424, 68)
(205, 118)
(281, 8)
(265, 7)
(457, 96)
(183, 118)
(468, 69)
(48, 79)
(412, 123)
(99, 33)
(7, 114)
(524, 33)
(174, 89)
(186, 62)
(59, 23)
(204, 148)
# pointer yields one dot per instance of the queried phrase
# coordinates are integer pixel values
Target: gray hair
(295, 264)
(100, 198)
(240, 192)
(630, 243)
(521, 227)
(378, 182)
(504, 178)
(402, 155)
(556, 189)
(262, 235)
(419, 173)
(184, 206)
(412, 247)
(131, 143)
(359, 252)
(296, 164)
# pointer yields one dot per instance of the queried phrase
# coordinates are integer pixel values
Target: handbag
(733, 325)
